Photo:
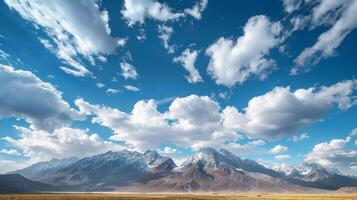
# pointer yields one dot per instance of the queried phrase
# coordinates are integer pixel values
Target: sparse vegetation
(152, 196)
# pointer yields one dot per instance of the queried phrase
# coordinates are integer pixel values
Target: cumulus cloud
(282, 157)
(165, 33)
(353, 132)
(128, 71)
(282, 112)
(143, 128)
(100, 85)
(25, 96)
(136, 11)
(187, 60)
(12, 152)
(334, 154)
(11, 165)
(168, 151)
(278, 149)
(61, 143)
(291, 5)
(71, 36)
(251, 147)
(188, 122)
(198, 121)
(131, 88)
(234, 62)
(112, 91)
(196, 10)
(342, 15)
(299, 138)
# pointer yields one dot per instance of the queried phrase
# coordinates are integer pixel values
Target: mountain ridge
(206, 170)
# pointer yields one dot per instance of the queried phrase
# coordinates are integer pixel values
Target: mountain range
(207, 170)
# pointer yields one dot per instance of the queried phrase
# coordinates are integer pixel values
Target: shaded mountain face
(211, 170)
(212, 158)
(112, 169)
(207, 170)
(42, 169)
(15, 183)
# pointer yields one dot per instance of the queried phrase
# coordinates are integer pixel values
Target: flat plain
(162, 196)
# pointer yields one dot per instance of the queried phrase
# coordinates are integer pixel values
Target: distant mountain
(112, 169)
(328, 178)
(41, 170)
(15, 183)
(227, 158)
(307, 171)
(210, 170)
(348, 189)
(207, 170)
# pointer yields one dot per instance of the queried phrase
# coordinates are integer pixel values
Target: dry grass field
(151, 196)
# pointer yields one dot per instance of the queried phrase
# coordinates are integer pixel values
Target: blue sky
(272, 81)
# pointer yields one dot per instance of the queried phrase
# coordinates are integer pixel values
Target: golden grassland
(177, 196)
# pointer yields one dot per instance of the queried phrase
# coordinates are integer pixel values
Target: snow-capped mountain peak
(208, 157)
(307, 171)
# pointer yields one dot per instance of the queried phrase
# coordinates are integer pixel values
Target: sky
(274, 81)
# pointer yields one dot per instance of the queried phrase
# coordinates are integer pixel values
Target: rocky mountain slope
(42, 169)
(210, 170)
(15, 183)
(207, 170)
(328, 178)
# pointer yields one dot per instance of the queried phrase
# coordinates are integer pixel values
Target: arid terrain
(172, 196)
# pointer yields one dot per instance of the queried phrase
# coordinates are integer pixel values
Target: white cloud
(136, 11)
(165, 33)
(11, 165)
(12, 152)
(168, 151)
(194, 112)
(234, 62)
(299, 138)
(114, 79)
(291, 5)
(188, 120)
(198, 121)
(197, 9)
(112, 91)
(278, 149)
(282, 112)
(342, 14)
(257, 143)
(334, 154)
(25, 96)
(143, 128)
(100, 85)
(187, 60)
(131, 88)
(282, 157)
(71, 36)
(225, 95)
(4, 57)
(61, 143)
(353, 132)
(128, 71)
